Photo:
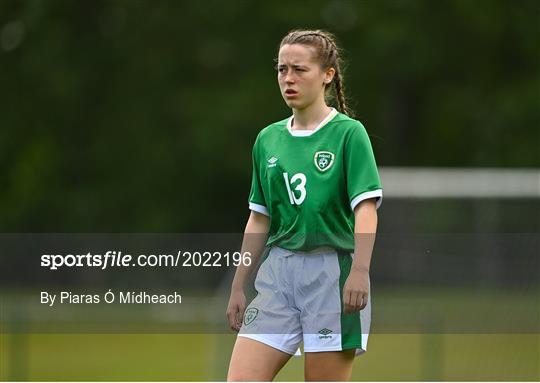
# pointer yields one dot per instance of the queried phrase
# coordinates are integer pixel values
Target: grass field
(205, 357)
(140, 356)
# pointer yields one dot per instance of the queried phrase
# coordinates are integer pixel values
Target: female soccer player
(314, 194)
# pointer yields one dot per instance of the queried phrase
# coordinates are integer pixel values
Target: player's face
(300, 77)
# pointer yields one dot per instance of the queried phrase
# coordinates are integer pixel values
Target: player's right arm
(254, 241)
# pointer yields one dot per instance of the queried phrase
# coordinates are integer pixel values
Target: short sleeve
(363, 180)
(256, 196)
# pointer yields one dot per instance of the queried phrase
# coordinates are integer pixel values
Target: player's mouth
(291, 93)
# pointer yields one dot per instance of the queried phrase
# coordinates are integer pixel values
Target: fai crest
(250, 315)
(324, 160)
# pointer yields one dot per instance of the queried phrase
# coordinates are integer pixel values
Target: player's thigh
(252, 360)
(329, 365)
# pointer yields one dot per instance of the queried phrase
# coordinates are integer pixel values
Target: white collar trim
(306, 133)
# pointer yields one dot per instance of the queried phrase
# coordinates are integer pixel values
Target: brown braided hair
(329, 56)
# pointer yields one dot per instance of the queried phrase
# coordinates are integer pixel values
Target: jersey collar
(306, 133)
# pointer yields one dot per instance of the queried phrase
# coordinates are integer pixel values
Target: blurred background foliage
(139, 116)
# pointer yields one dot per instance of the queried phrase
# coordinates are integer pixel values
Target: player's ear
(329, 75)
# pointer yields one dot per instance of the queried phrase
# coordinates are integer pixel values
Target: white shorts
(299, 298)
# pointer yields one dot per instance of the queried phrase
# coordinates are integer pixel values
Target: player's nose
(289, 79)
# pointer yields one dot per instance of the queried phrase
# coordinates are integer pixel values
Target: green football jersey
(309, 182)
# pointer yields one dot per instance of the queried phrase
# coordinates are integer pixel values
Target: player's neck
(310, 117)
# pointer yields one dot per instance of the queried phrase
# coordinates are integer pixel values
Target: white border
(259, 208)
(370, 194)
(307, 133)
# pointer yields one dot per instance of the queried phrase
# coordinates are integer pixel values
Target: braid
(329, 57)
(340, 94)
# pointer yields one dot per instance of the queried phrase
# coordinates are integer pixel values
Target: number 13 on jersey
(301, 187)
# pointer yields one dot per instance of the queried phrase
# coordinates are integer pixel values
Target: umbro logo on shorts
(250, 315)
(324, 333)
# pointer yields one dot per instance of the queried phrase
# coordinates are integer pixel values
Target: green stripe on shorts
(351, 332)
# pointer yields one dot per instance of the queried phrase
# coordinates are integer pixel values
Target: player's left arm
(356, 288)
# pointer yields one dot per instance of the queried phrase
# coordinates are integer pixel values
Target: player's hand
(235, 309)
(356, 291)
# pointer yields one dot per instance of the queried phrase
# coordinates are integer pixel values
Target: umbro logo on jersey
(272, 162)
(324, 333)
(324, 160)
